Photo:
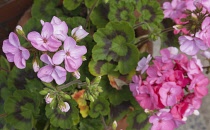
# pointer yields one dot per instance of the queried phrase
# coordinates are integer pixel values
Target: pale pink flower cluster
(190, 44)
(174, 87)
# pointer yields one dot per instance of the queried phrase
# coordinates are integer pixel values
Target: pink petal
(47, 30)
(13, 39)
(53, 44)
(45, 73)
(46, 59)
(8, 47)
(36, 41)
(10, 57)
(72, 65)
(78, 51)
(19, 60)
(69, 43)
(189, 48)
(59, 74)
(58, 57)
(25, 53)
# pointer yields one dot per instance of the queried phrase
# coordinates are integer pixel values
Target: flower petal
(45, 73)
(46, 59)
(58, 57)
(47, 30)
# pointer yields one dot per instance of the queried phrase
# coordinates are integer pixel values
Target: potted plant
(86, 64)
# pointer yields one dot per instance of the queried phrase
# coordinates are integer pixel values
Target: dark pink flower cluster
(185, 13)
(174, 87)
(54, 53)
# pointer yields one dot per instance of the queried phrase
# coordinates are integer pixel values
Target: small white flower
(64, 107)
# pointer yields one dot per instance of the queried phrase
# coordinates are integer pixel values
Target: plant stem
(3, 115)
(138, 25)
(91, 10)
(4, 69)
(47, 125)
(167, 30)
(69, 84)
(104, 123)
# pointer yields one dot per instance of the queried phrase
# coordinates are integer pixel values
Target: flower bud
(64, 106)
(177, 27)
(53, 103)
(114, 125)
(35, 66)
(196, 112)
(66, 96)
(19, 30)
(84, 58)
(48, 98)
(79, 33)
(76, 74)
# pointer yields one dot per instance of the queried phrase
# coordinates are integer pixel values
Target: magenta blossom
(191, 45)
(14, 51)
(46, 41)
(51, 71)
(143, 64)
(170, 93)
(163, 120)
(71, 55)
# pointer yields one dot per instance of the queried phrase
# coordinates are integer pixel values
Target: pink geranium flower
(173, 9)
(137, 82)
(170, 93)
(44, 41)
(204, 34)
(199, 85)
(71, 55)
(51, 71)
(143, 64)
(14, 51)
(191, 45)
(163, 120)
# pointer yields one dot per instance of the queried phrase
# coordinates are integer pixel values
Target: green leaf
(122, 11)
(100, 68)
(21, 109)
(151, 13)
(44, 9)
(71, 4)
(99, 15)
(91, 124)
(99, 107)
(138, 120)
(4, 69)
(61, 119)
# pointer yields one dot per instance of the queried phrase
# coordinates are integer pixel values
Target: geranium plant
(82, 64)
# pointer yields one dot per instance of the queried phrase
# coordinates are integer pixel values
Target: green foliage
(138, 120)
(122, 11)
(91, 124)
(99, 107)
(114, 50)
(61, 119)
(21, 108)
(71, 4)
(151, 13)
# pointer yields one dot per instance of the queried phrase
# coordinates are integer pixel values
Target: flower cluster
(193, 20)
(53, 52)
(173, 88)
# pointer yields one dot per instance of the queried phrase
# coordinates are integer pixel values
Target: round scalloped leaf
(91, 124)
(71, 4)
(44, 9)
(151, 13)
(138, 120)
(21, 109)
(99, 107)
(122, 11)
(61, 119)
(99, 15)
(100, 67)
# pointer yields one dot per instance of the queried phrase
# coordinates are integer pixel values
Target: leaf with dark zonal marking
(91, 124)
(122, 11)
(61, 119)
(4, 69)
(71, 4)
(21, 109)
(151, 13)
(99, 107)
(138, 120)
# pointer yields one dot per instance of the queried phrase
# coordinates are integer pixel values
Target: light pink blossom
(191, 45)
(14, 51)
(143, 64)
(48, 99)
(51, 71)
(204, 34)
(78, 33)
(65, 107)
(44, 41)
(71, 55)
